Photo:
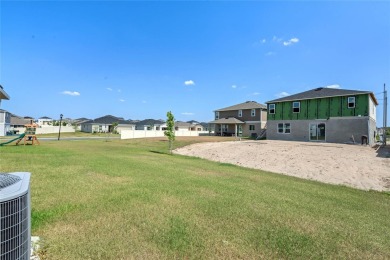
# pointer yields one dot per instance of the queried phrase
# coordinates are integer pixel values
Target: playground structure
(27, 136)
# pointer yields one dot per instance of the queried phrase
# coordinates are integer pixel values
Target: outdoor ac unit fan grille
(14, 230)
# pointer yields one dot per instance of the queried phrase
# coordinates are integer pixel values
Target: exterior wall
(90, 128)
(321, 108)
(337, 129)
(5, 123)
(54, 129)
(247, 132)
(372, 108)
(372, 131)
(120, 128)
(45, 122)
(264, 115)
(246, 114)
(130, 134)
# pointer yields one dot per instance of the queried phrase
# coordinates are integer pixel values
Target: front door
(317, 132)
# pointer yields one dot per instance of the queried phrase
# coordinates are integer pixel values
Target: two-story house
(323, 114)
(245, 119)
(45, 121)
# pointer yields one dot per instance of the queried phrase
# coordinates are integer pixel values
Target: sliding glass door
(317, 132)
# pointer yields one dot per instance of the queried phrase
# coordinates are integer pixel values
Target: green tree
(114, 127)
(170, 132)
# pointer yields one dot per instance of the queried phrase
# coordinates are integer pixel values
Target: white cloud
(189, 82)
(270, 53)
(255, 94)
(110, 89)
(119, 90)
(282, 94)
(234, 86)
(276, 39)
(333, 86)
(121, 100)
(291, 41)
(71, 93)
(263, 41)
(187, 113)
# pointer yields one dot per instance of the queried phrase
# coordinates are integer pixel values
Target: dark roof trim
(317, 93)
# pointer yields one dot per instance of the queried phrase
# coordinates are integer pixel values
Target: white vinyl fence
(130, 134)
(48, 129)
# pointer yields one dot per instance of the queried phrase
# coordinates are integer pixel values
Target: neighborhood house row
(321, 114)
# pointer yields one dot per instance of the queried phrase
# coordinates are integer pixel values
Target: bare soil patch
(357, 166)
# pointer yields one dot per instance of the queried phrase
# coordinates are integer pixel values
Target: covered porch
(228, 126)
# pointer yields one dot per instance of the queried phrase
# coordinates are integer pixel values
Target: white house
(5, 122)
(45, 121)
(5, 117)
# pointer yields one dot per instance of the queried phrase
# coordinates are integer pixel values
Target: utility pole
(384, 114)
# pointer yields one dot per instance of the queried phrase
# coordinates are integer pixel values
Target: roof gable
(322, 93)
(245, 105)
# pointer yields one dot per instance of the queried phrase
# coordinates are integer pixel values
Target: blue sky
(141, 59)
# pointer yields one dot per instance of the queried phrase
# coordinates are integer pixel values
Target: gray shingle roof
(108, 120)
(230, 120)
(245, 105)
(149, 122)
(322, 93)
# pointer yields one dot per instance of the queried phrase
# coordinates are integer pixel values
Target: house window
(239, 113)
(271, 108)
(251, 127)
(225, 128)
(296, 107)
(216, 115)
(351, 102)
(284, 128)
(253, 112)
(287, 128)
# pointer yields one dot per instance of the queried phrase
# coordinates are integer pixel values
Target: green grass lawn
(126, 199)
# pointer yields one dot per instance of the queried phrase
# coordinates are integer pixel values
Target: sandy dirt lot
(356, 166)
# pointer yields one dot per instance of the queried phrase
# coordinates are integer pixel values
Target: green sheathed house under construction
(323, 114)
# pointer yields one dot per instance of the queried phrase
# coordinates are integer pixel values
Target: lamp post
(59, 130)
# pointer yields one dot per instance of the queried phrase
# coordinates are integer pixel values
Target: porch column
(235, 130)
(221, 130)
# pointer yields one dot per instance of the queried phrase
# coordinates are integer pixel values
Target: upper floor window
(271, 108)
(253, 112)
(296, 107)
(351, 102)
(216, 115)
(239, 113)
